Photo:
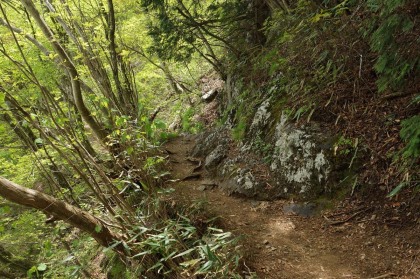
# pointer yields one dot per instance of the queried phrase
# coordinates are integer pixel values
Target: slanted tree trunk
(61, 210)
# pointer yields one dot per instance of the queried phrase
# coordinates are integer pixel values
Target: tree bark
(61, 210)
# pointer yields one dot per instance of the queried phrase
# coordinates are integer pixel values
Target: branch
(61, 210)
(39, 45)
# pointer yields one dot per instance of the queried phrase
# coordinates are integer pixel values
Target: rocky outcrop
(215, 157)
(291, 162)
(209, 141)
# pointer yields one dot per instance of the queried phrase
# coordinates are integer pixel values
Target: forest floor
(343, 242)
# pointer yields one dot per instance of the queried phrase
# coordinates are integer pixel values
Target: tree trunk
(61, 210)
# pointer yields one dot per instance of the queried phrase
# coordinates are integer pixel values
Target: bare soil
(351, 240)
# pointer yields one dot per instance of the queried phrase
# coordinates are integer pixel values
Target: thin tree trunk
(19, 131)
(61, 210)
(30, 38)
(99, 131)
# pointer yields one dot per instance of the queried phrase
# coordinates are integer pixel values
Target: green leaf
(142, 253)
(190, 263)
(184, 253)
(124, 52)
(5, 209)
(31, 271)
(98, 228)
(158, 266)
(48, 248)
(42, 267)
(115, 244)
(396, 189)
(69, 258)
(207, 266)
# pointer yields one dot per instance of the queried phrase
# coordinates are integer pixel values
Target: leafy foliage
(410, 133)
(394, 37)
(60, 155)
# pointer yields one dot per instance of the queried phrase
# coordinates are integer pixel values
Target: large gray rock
(241, 183)
(299, 164)
(210, 95)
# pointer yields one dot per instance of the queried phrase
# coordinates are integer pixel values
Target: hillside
(209, 139)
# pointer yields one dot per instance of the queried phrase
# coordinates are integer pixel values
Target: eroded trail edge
(283, 245)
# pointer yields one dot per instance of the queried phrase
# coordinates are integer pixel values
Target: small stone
(255, 203)
(369, 243)
(266, 242)
(210, 95)
(201, 188)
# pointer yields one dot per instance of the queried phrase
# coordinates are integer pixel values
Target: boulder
(300, 161)
(209, 140)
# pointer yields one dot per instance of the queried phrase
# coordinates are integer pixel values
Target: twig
(169, 151)
(395, 95)
(194, 160)
(346, 212)
(412, 264)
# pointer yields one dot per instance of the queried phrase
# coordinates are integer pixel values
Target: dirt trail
(280, 245)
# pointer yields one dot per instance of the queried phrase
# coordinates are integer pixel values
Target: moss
(277, 109)
(238, 132)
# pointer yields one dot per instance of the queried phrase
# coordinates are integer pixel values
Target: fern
(392, 38)
(410, 133)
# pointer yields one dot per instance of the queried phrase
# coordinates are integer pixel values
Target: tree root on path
(340, 222)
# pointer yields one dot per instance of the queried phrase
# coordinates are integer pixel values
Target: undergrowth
(181, 241)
